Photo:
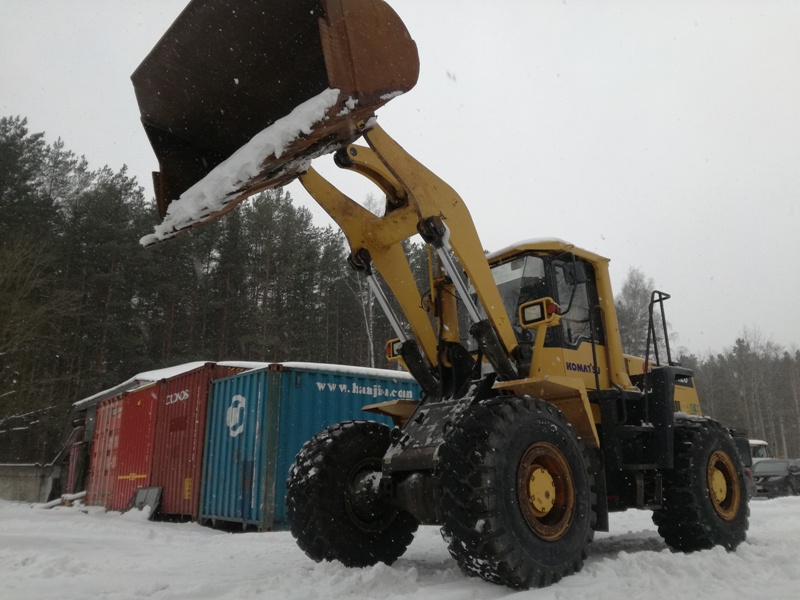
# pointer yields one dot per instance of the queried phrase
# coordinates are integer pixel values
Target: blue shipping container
(258, 421)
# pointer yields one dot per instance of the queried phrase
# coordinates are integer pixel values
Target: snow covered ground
(86, 553)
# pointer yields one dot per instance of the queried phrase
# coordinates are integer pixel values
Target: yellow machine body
(531, 329)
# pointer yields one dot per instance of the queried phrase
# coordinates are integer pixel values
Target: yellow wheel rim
(541, 491)
(545, 491)
(723, 485)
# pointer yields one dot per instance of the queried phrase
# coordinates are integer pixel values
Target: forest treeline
(752, 385)
(83, 306)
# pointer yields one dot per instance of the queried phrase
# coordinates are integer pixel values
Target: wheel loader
(533, 425)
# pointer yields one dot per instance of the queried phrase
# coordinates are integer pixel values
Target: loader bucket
(238, 96)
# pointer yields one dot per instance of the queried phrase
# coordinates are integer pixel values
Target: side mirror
(393, 350)
(538, 312)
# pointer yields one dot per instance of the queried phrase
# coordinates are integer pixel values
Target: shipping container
(135, 449)
(259, 420)
(76, 471)
(180, 437)
(103, 468)
(122, 449)
(94, 418)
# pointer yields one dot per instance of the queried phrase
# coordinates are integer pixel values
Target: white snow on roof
(149, 377)
(140, 380)
(216, 189)
(529, 242)
(170, 372)
(348, 370)
(758, 443)
(244, 364)
(126, 386)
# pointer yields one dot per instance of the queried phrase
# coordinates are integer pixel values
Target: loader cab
(528, 273)
(565, 279)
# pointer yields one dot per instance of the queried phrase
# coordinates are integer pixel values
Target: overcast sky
(663, 135)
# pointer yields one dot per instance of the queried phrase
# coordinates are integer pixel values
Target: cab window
(518, 281)
(576, 300)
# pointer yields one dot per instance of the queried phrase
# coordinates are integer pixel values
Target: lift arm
(418, 201)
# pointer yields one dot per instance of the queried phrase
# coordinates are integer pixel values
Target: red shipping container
(103, 469)
(77, 464)
(135, 447)
(180, 437)
(74, 451)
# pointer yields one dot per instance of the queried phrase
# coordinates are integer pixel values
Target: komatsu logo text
(581, 368)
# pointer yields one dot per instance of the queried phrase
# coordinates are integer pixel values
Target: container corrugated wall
(180, 437)
(77, 468)
(235, 450)
(102, 471)
(72, 470)
(259, 420)
(313, 399)
(136, 438)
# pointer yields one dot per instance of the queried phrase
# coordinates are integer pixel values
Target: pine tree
(633, 314)
(23, 205)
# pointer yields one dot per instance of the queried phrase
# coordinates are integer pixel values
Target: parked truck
(534, 424)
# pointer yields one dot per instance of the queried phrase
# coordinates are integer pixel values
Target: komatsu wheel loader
(534, 424)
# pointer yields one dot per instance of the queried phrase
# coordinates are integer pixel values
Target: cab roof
(542, 245)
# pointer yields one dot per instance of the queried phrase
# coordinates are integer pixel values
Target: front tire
(332, 501)
(518, 502)
(705, 502)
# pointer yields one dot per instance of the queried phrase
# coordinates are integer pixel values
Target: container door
(136, 437)
(105, 453)
(180, 427)
(76, 476)
(233, 473)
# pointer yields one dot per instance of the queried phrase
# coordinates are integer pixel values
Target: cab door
(581, 322)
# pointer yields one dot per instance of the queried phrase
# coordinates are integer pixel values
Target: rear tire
(705, 499)
(518, 503)
(334, 511)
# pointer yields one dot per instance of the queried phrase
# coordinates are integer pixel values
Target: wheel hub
(366, 508)
(719, 488)
(723, 485)
(363, 495)
(545, 491)
(542, 491)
